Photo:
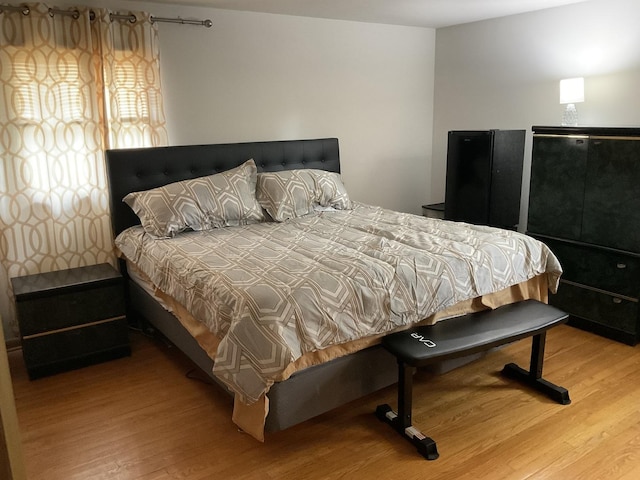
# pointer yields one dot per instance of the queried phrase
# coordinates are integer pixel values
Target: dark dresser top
(596, 131)
(43, 284)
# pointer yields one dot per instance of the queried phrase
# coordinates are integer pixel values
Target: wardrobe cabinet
(584, 203)
(484, 177)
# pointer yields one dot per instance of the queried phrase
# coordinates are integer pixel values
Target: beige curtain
(71, 85)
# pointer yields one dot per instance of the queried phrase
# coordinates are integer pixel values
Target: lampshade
(572, 90)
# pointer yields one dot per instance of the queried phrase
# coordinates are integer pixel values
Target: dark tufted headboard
(136, 169)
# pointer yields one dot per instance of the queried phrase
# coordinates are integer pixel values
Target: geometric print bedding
(275, 291)
(295, 193)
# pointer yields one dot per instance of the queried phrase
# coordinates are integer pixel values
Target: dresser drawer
(72, 308)
(602, 269)
(49, 353)
(610, 311)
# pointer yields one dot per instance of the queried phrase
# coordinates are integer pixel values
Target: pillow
(294, 193)
(221, 200)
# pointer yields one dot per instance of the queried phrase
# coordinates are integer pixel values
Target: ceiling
(419, 13)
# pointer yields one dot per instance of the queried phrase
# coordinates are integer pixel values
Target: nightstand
(71, 318)
(434, 210)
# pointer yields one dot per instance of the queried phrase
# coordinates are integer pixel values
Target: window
(131, 97)
(58, 92)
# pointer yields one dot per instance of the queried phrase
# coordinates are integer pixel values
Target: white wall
(504, 73)
(265, 77)
(256, 76)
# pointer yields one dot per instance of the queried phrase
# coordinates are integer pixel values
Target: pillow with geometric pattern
(294, 193)
(221, 200)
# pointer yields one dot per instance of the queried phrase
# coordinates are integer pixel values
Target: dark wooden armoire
(584, 203)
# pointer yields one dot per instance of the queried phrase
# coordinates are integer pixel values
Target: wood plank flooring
(143, 418)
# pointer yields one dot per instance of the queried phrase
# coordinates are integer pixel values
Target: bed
(332, 372)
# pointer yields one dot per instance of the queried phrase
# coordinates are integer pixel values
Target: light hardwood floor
(142, 418)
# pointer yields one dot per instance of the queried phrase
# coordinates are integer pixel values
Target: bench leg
(401, 421)
(533, 377)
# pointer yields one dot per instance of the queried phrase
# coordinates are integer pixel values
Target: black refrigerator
(484, 177)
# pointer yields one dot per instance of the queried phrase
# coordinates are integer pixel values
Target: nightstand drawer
(599, 307)
(68, 309)
(49, 353)
(602, 269)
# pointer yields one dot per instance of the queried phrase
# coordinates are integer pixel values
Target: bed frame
(307, 393)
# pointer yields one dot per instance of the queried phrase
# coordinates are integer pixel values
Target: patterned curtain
(71, 85)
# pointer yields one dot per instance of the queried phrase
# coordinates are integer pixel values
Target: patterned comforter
(275, 291)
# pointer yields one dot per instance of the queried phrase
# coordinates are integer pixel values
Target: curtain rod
(25, 10)
(185, 21)
(12, 8)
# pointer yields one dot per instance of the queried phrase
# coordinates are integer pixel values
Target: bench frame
(408, 362)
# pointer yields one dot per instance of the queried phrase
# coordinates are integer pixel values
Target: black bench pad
(472, 333)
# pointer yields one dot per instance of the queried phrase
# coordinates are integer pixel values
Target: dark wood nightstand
(434, 210)
(71, 318)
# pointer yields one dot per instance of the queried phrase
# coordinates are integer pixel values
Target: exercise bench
(459, 337)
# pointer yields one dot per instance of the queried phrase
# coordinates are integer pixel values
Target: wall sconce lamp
(571, 92)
